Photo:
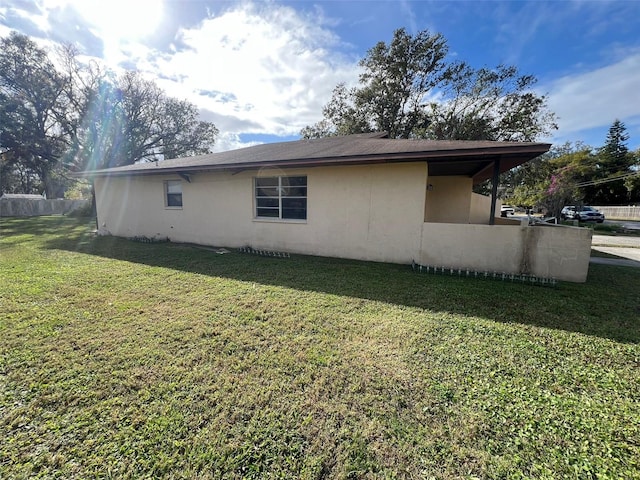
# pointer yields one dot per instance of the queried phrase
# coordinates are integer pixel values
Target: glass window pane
(267, 182)
(267, 202)
(174, 186)
(295, 181)
(295, 192)
(267, 192)
(294, 208)
(294, 213)
(294, 203)
(268, 212)
(174, 199)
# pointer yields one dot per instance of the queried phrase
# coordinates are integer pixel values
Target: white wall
(481, 209)
(368, 212)
(448, 199)
(550, 251)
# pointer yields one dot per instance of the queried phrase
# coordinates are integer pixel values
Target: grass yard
(129, 360)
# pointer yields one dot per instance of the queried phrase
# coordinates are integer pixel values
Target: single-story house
(362, 196)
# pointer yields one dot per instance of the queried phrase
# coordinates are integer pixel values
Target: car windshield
(587, 209)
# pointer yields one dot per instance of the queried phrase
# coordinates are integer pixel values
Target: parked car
(568, 212)
(582, 214)
(506, 210)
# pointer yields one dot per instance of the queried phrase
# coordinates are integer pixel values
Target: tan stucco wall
(369, 212)
(448, 199)
(545, 250)
(481, 208)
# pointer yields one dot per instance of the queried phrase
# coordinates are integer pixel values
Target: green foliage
(550, 181)
(613, 161)
(33, 111)
(393, 86)
(578, 174)
(130, 119)
(128, 360)
(489, 104)
(400, 81)
(58, 114)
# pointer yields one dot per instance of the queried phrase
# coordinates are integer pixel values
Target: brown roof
(470, 158)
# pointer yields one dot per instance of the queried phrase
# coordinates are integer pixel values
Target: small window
(173, 190)
(281, 197)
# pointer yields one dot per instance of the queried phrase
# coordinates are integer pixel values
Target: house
(362, 196)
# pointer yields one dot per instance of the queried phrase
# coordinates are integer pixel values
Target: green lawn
(130, 360)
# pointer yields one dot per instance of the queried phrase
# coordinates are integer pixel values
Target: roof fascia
(454, 156)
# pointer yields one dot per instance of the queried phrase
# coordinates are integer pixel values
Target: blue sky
(263, 70)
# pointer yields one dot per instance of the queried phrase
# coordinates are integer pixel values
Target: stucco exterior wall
(544, 250)
(481, 208)
(368, 212)
(448, 199)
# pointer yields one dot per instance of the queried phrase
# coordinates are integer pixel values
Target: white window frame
(281, 190)
(167, 186)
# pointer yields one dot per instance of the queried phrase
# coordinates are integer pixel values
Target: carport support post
(494, 190)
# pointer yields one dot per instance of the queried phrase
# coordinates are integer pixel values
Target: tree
(393, 87)
(409, 90)
(489, 104)
(632, 182)
(559, 191)
(32, 112)
(614, 162)
(130, 119)
(67, 115)
(552, 180)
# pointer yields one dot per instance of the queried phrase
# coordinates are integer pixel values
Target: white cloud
(596, 98)
(230, 141)
(254, 68)
(260, 64)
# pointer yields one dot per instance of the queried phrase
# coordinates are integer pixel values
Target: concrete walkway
(626, 248)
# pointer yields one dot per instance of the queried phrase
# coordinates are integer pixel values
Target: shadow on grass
(607, 258)
(607, 306)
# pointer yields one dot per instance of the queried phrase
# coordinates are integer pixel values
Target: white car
(506, 210)
(582, 214)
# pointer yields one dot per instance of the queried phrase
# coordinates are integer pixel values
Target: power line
(607, 180)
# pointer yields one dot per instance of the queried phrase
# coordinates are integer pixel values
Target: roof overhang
(476, 163)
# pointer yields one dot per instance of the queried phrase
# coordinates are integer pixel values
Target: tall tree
(489, 104)
(614, 161)
(69, 115)
(409, 90)
(396, 80)
(632, 182)
(32, 111)
(130, 119)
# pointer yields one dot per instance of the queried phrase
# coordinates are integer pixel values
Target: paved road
(628, 224)
(627, 248)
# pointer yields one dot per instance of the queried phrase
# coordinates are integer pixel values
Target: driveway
(626, 248)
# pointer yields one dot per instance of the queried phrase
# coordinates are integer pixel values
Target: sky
(263, 70)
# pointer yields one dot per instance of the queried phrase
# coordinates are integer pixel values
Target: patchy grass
(127, 360)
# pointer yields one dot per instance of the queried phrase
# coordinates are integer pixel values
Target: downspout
(494, 190)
